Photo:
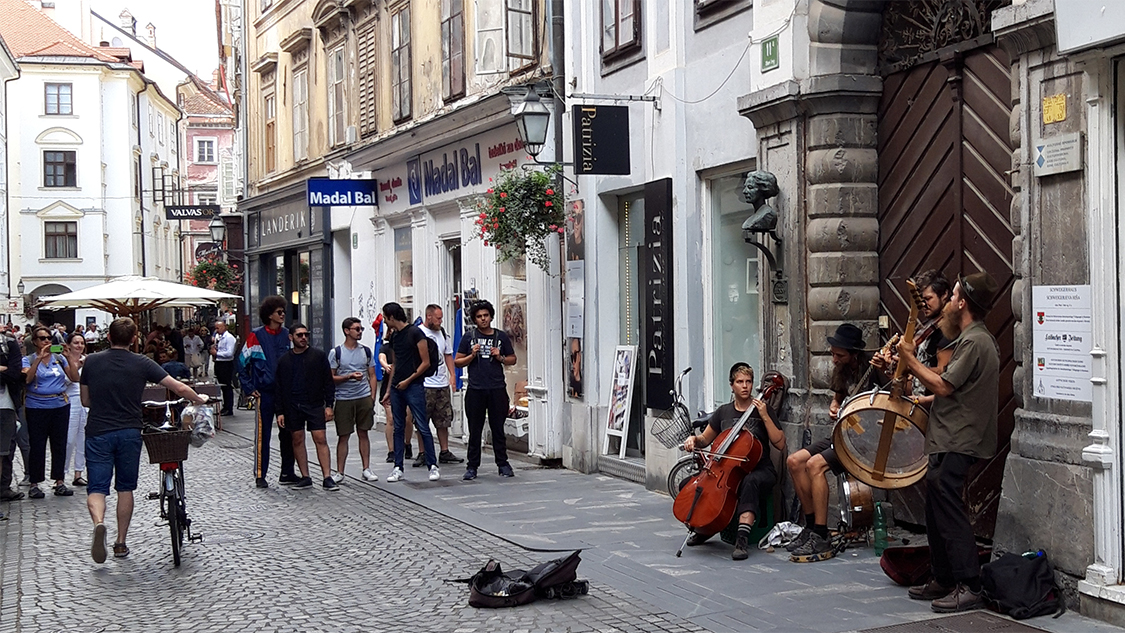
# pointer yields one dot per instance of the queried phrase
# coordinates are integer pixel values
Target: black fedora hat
(847, 337)
(980, 289)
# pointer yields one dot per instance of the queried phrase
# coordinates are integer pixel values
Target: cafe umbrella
(131, 295)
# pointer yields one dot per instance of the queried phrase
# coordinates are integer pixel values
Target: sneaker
(470, 474)
(960, 599)
(338, 477)
(816, 549)
(390, 457)
(800, 540)
(35, 493)
(261, 482)
(330, 484)
(698, 539)
(303, 483)
(506, 471)
(446, 457)
(62, 491)
(97, 550)
(396, 475)
(932, 590)
(288, 479)
(368, 475)
(435, 474)
(741, 548)
(120, 550)
(419, 461)
(409, 452)
(11, 495)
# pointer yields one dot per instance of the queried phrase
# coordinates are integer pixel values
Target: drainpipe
(141, 181)
(8, 186)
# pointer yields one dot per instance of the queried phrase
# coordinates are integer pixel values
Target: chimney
(215, 78)
(103, 44)
(151, 28)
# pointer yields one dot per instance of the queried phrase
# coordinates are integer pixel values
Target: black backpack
(1022, 587)
(13, 380)
(492, 588)
(435, 355)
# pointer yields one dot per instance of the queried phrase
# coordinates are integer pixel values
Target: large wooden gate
(944, 200)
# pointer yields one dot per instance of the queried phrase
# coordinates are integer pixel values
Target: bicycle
(168, 447)
(672, 428)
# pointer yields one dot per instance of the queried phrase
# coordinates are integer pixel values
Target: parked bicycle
(674, 426)
(167, 445)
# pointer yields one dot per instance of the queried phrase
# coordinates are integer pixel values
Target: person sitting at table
(168, 363)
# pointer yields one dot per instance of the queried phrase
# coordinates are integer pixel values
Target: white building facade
(9, 71)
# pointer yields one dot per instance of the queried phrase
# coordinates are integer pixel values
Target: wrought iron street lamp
(532, 119)
(218, 229)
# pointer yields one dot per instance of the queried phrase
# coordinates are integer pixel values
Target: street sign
(771, 54)
(13, 306)
(190, 211)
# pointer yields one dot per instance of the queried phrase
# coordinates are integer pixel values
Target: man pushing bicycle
(113, 383)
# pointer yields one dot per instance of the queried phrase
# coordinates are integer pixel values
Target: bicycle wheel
(688, 467)
(172, 510)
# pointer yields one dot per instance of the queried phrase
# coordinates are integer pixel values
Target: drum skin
(857, 506)
(856, 439)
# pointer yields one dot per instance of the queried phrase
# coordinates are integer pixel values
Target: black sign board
(190, 211)
(656, 364)
(601, 139)
(204, 250)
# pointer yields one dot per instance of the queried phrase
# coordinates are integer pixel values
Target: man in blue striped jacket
(257, 366)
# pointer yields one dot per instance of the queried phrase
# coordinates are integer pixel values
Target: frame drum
(887, 458)
(857, 509)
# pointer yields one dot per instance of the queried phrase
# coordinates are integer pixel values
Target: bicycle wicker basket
(164, 447)
(671, 427)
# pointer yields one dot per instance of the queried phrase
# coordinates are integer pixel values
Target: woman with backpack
(48, 411)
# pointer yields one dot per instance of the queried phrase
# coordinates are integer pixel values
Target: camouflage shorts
(439, 406)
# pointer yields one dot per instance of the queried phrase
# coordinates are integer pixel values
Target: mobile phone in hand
(56, 349)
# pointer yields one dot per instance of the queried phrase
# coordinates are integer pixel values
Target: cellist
(759, 481)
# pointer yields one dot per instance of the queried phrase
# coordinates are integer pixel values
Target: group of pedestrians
(305, 388)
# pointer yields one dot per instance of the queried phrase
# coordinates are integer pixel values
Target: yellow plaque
(1054, 108)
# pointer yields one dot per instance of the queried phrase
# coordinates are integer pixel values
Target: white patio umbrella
(129, 295)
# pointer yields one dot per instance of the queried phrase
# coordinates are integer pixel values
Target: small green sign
(771, 54)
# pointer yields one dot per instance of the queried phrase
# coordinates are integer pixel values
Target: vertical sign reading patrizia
(656, 296)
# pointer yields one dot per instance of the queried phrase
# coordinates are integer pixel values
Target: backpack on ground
(1022, 587)
(492, 588)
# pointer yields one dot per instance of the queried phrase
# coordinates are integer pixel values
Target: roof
(204, 100)
(30, 33)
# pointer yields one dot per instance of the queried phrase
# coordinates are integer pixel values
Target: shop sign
(329, 192)
(457, 169)
(601, 139)
(286, 224)
(203, 250)
(13, 306)
(656, 296)
(190, 211)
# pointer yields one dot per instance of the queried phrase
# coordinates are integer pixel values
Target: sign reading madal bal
(327, 192)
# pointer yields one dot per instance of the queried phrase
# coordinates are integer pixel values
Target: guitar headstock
(915, 296)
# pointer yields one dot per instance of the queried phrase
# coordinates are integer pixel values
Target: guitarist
(932, 348)
(758, 482)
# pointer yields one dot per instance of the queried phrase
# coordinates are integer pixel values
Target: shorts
(439, 406)
(115, 455)
(824, 449)
(354, 414)
(299, 419)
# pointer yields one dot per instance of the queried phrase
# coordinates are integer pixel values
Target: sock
(810, 520)
(744, 532)
(821, 530)
(973, 584)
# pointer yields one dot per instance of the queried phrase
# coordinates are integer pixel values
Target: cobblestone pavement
(277, 560)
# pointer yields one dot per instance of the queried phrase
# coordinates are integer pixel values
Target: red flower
(490, 188)
(550, 192)
(554, 226)
(486, 242)
(503, 194)
(561, 230)
(501, 209)
(495, 225)
(482, 216)
(547, 203)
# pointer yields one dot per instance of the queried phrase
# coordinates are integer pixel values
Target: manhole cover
(974, 622)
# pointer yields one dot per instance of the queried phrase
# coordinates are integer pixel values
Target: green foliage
(521, 210)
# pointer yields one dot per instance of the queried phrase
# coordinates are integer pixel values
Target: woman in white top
(75, 352)
(193, 351)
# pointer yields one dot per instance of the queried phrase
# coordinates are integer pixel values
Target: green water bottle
(880, 529)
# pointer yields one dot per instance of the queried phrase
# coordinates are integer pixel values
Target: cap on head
(849, 337)
(980, 289)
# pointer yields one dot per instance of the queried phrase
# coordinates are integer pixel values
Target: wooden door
(944, 198)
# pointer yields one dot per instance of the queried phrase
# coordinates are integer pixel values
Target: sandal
(79, 481)
(62, 491)
(120, 550)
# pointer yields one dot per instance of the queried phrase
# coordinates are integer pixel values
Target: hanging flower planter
(520, 210)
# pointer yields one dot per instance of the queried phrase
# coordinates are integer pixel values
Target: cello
(707, 502)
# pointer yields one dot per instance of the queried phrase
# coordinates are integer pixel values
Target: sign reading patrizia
(601, 139)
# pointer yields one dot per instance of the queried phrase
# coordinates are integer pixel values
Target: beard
(950, 324)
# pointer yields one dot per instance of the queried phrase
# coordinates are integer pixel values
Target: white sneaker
(369, 476)
(338, 477)
(435, 474)
(396, 475)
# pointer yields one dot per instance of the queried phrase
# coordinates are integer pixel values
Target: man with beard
(961, 430)
(932, 346)
(808, 467)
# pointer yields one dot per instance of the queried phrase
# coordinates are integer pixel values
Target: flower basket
(521, 210)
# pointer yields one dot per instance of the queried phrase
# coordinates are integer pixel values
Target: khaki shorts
(439, 406)
(354, 414)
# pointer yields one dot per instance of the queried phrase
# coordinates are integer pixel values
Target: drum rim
(890, 481)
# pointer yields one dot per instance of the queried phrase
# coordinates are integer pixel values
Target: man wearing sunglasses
(305, 395)
(256, 371)
(353, 370)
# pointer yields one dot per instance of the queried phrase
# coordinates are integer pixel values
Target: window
(137, 182)
(708, 12)
(270, 107)
(60, 169)
(227, 177)
(452, 49)
(521, 35)
(337, 97)
(133, 109)
(204, 150)
(400, 64)
(160, 128)
(60, 240)
(300, 115)
(621, 26)
(151, 121)
(505, 35)
(368, 59)
(206, 198)
(58, 99)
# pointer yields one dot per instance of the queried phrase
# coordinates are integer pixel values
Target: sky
(185, 29)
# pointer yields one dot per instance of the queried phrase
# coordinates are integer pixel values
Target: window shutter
(490, 57)
(366, 85)
(227, 178)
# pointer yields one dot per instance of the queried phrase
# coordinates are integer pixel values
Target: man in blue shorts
(113, 384)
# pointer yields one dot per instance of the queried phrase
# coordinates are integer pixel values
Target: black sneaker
(35, 493)
(698, 539)
(447, 457)
(506, 471)
(303, 483)
(470, 474)
(419, 461)
(288, 479)
(816, 549)
(409, 452)
(800, 540)
(390, 457)
(330, 484)
(741, 548)
(261, 482)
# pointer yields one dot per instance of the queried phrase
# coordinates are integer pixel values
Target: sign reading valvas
(326, 192)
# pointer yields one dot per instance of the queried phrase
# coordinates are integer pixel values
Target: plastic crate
(170, 446)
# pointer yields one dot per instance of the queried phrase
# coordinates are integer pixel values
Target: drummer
(808, 467)
(758, 482)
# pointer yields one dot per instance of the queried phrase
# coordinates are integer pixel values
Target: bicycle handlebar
(154, 403)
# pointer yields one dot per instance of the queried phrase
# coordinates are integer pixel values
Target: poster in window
(621, 396)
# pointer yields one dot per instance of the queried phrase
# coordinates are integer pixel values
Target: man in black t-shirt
(412, 360)
(305, 396)
(486, 351)
(756, 485)
(113, 384)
